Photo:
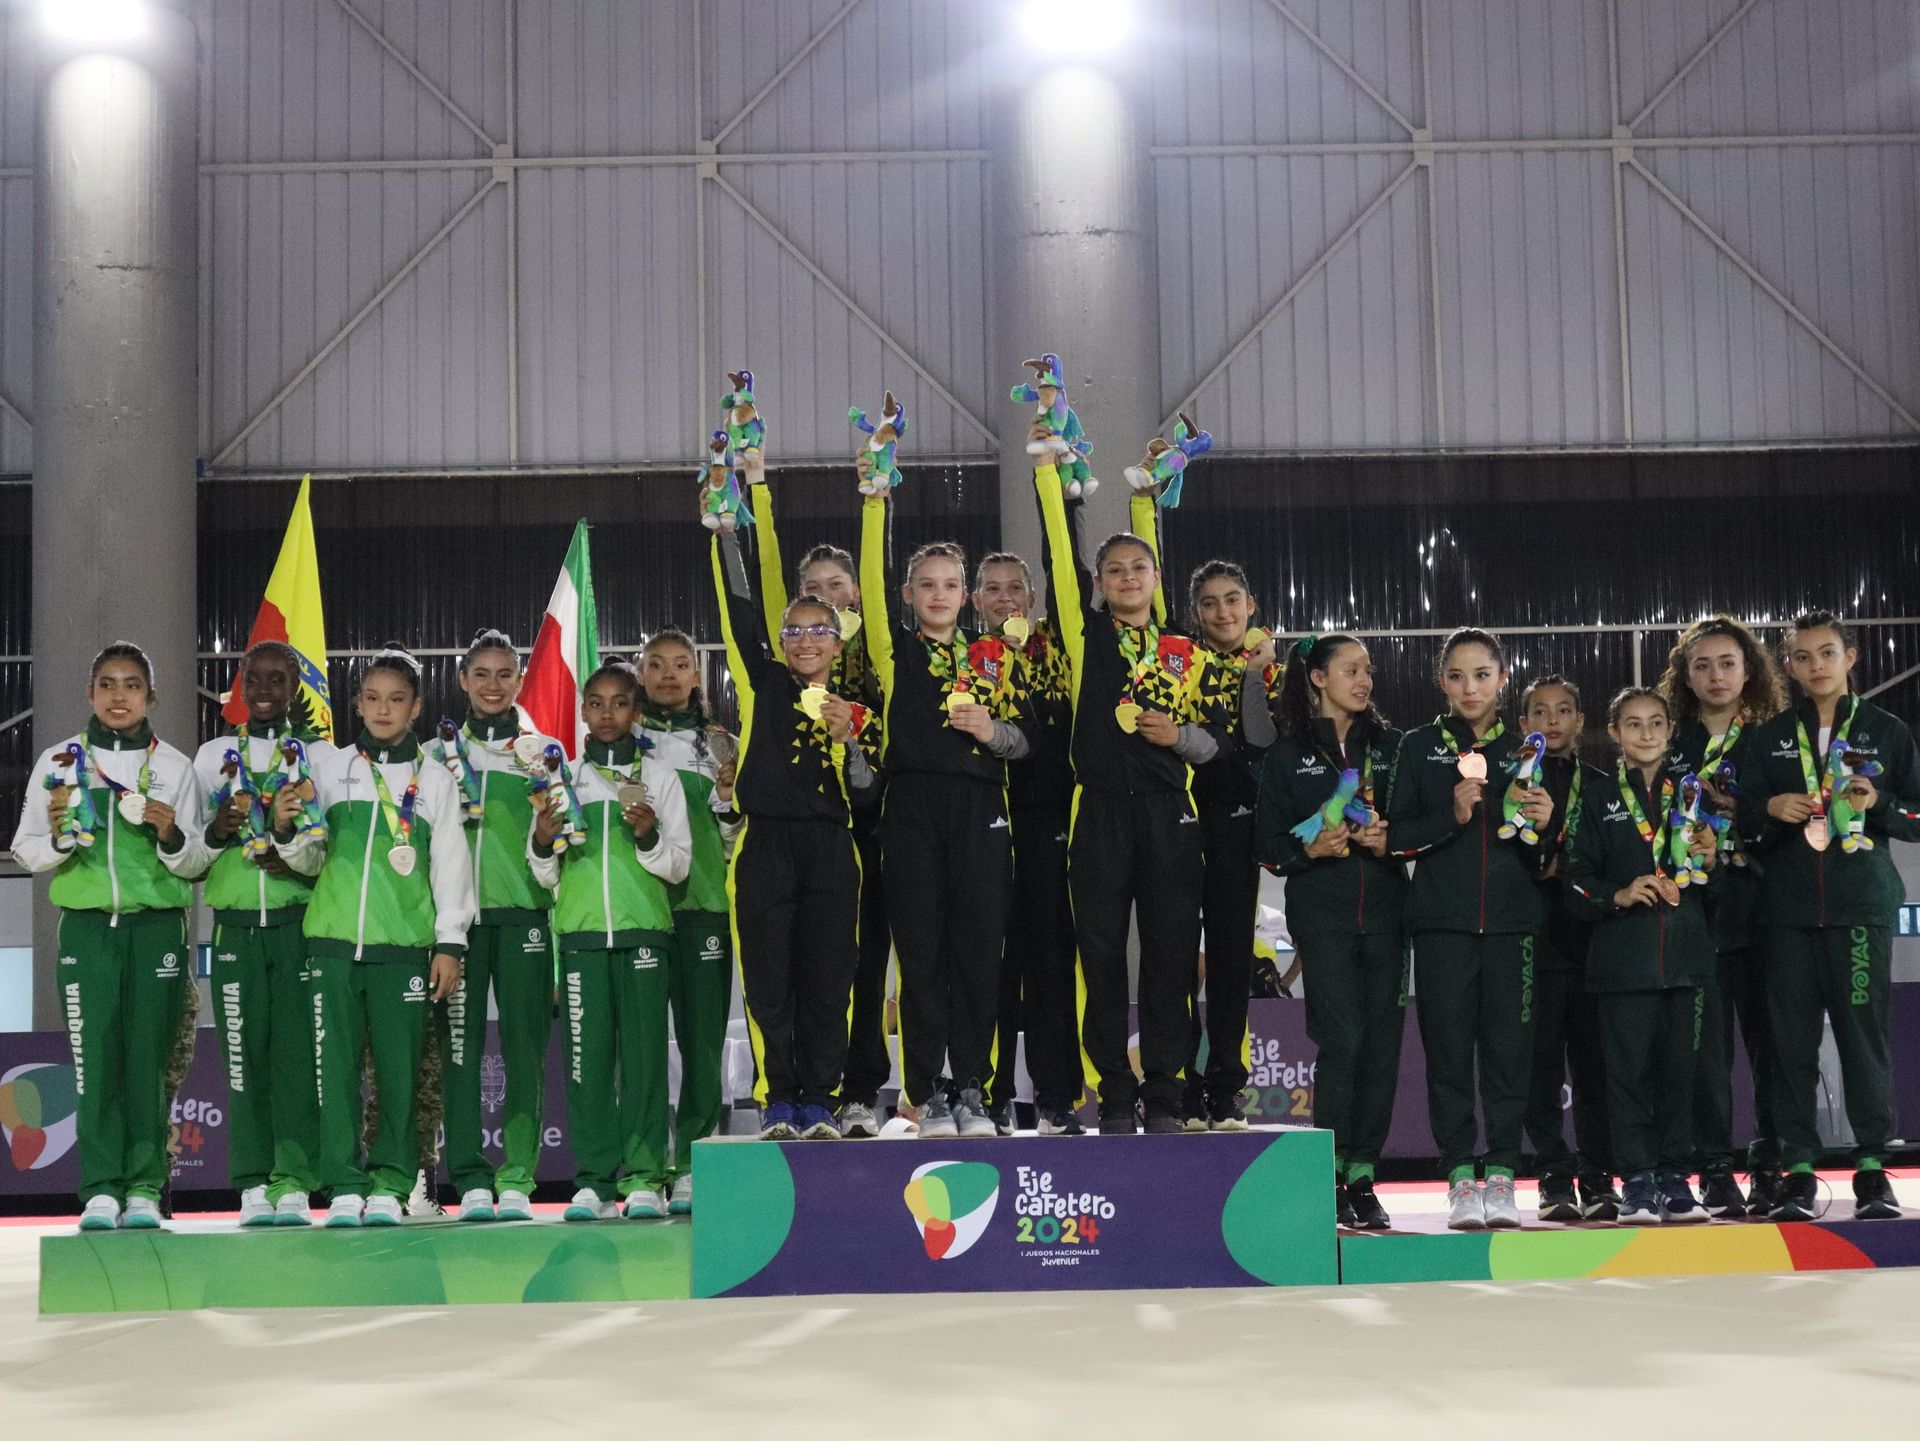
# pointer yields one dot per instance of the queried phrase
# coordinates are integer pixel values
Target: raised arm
(772, 569)
(1068, 583)
(876, 589)
(742, 623)
(1143, 519)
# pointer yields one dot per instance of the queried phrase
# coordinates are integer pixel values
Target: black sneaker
(1677, 1203)
(1763, 1192)
(1368, 1213)
(1119, 1118)
(1720, 1194)
(1640, 1205)
(1799, 1194)
(1598, 1199)
(1343, 1213)
(1556, 1199)
(1164, 1123)
(1001, 1114)
(1059, 1121)
(1226, 1114)
(1873, 1196)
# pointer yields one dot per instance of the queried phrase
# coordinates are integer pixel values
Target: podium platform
(192, 1265)
(1422, 1249)
(1024, 1213)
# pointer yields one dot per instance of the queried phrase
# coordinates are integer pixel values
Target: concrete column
(116, 288)
(1074, 259)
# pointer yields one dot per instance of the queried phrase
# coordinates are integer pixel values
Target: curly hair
(1762, 697)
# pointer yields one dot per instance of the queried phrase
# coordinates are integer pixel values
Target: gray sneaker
(1466, 1210)
(1497, 1198)
(970, 1116)
(857, 1121)
(937, 1122)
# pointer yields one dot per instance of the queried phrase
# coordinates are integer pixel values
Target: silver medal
(402, 859)
(133, 808)
(528, 750)
(633, 794)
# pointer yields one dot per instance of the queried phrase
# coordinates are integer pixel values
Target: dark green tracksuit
(1647, 965)
(1345, 916)
(1475, 914)
(1829, 925)
(1737, 992)
(1566, 1039)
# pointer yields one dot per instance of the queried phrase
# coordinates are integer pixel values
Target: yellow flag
(291, 613)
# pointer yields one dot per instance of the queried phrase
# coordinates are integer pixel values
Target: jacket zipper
(113, 866)
(1483, 868)
(259, 875)
(366, 866)
(606, 869)
(1820, 875)
(1660, 952)
(480, 838)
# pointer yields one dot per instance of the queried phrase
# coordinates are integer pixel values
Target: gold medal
(1817, 834)
(957, 699)
(849, 625)
(1127, 714)
(1473, 766)
(810, 700)
(1017, 629)
(403, 859)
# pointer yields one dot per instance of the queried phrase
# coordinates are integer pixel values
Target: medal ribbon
(1819, 784)
(1453, 745)
(1647, 832)
(948, 662)
(399, 818)
(143, 781)
(1720, 745)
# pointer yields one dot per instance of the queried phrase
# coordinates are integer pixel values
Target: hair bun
(393, 651)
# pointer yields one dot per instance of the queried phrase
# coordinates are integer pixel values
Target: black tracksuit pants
(796, 895)
(1566, 1042)
(1845, 974)
(1651, 1041)
(868, 1063)
(1738, 996)
(1037, 968)
(1229, 896)
(1356, 1011)
(1475, 995)
(1126, 852)
(948, 849)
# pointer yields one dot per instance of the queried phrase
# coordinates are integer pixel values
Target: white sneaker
(1502, 1212)
(1466, 1208)
(857, 1121)
(514, 1206)
(293, 1210)
(255, 1210)
(646, 1205)
(586, 1205)
(681, 1203)
(345, 1211)
(476, 1205)
(382, 1211)
(142, 1214)
(102, 1213)
(421, 1202)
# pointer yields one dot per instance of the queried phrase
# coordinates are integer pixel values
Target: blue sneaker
(815, 1123)
(1640, 1201)
(777, 1122)
(1677, 1203)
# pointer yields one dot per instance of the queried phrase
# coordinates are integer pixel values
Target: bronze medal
(1473, 766)
(1817, 833)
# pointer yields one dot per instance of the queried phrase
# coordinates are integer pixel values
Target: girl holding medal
(673, 720)
(1722, 686)
(260, 982)
(1134, 841)
(951, 720)
(386, 930)
(509, 946)
(1566, 1037)
(615, 921)
(1829, 911)
(794, 885)
(828, 572)
(1345, 898)
(1475, 914)
(122, 824)
(1232, 697)
(1652, 950)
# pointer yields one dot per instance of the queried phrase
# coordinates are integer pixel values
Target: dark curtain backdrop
(1393, 544)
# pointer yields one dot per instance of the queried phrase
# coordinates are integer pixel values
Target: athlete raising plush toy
(881, 473)
(1159, 471)
(721, 506)
(1065, 441)
(746, 428)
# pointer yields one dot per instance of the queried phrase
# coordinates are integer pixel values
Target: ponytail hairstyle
(1119, 538)
(486, 639)
(124, 650)
(1298, 704)
(1633, 693)
(938, 550)
(1554, 682)
(1819, 620)
(816, 602)
(397, 660)
(1002, 557)
(1212, 570)
(831, 555)
(617, 670)
(696, 698)
(1763, 697)
(1469, 635)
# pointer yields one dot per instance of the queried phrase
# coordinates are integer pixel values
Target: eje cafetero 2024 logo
(951, 1202)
